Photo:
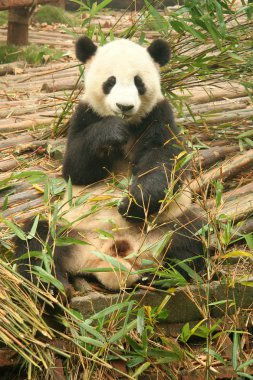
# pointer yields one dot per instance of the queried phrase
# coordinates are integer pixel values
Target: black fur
(85, 49)
(139, 85)
(95, 143)
(36, 245)
(108, 85)
(160, 51)
(184, 245)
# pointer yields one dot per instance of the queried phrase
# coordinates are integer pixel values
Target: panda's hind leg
(36, 250)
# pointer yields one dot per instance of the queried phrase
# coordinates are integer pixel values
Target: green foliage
(208, 38)
(3, 18)
(52, 15)
(32, 54)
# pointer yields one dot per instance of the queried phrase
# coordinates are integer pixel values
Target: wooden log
(237, 209)
(208, 157)
(18, 23)
(238, 195)
(218, 118)
(26, 124)
(7, 4)
(246, 227)
(21, 197)
(35, 203)
(54, 87)
(226, 90)
(227, 170)
(13, 141)
(216, 106)
(11, 69)
(8, 165)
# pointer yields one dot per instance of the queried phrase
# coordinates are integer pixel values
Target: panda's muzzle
(124, 108)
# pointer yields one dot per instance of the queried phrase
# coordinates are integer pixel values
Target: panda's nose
(124, 108)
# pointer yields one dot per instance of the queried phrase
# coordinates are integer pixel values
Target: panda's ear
(85, 49)
(160, 51)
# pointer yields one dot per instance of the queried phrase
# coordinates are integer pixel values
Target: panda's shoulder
(162, 111)
(83, 116)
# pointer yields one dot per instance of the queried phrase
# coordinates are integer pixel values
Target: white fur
(88, 224)
(123, 59)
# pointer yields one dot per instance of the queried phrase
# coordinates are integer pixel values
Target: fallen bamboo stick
(246, 227)
(216, 106)
(236, 209)
(13, 141)
(208, 157)
(227, 170)
(35, 203)
(8, 165)
(25, 124)
(54, 87)
(197, 96)
(223, 117)
(21, 197)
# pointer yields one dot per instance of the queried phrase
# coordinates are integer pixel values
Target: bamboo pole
(227, 170)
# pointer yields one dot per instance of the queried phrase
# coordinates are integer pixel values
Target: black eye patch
(139, 85)
(108, 85)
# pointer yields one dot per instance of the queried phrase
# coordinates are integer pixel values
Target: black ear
(85, 49)
(160, 51)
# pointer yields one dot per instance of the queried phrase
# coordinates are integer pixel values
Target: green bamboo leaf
(111, 309)
(93, 342)
(111, 260)
(47, 277)
(65, 241)
(123, 332)
(91, 330)
(245, 364)
(141, 369)
(34, 228)
(17, 231)
(160, 22)
(140, 321)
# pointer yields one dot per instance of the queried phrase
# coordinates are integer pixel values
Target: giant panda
(127, 191)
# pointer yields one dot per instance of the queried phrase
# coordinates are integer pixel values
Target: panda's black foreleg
(146, 193)
(94, 144)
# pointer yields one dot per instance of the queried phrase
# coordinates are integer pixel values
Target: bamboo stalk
(35, 203)
(218, 118)
(23, 125)
(21, 197)
(237, 209)
(13, 141)
(208, 157)
(227, 170)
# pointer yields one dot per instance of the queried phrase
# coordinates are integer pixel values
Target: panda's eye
(108, 85)
(139, 85)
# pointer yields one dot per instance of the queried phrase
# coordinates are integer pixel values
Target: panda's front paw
(116, 132)
(131, 209)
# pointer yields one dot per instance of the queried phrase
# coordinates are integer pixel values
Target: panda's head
(122, 77)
